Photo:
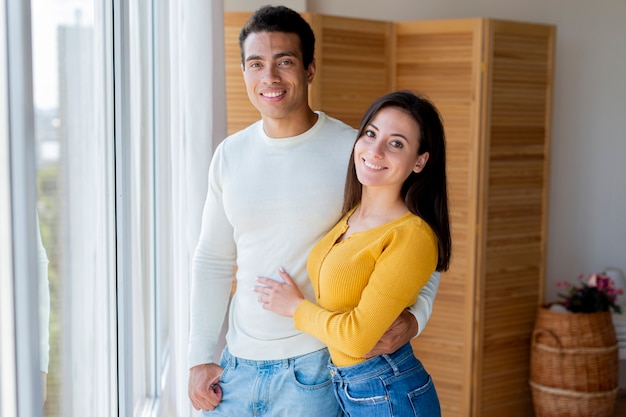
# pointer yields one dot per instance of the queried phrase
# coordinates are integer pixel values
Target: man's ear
(311, 72)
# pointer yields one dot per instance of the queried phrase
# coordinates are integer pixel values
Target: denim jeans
(395, 385)
(298, 386)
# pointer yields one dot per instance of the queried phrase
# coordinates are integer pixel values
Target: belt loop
(392, 363)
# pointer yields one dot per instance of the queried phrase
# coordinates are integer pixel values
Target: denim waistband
(401, 360)
(284, 363)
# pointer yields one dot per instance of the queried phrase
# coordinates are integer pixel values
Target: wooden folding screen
(492, 81)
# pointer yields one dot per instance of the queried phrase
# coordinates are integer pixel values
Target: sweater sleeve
(423, 306)
(212, 271)
(401, 270)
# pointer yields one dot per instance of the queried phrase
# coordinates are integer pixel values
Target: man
(275, 188)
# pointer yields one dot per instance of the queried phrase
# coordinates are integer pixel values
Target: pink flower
(593, 280)
(605, 282)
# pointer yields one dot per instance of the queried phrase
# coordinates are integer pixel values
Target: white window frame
(18, 317)
(121, 78)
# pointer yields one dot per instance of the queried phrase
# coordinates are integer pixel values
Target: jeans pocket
(310, 371)
(227, 365)
(425, 401)
(366, 391)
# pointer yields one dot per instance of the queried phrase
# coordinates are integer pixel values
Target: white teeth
(372, 166)
(273, 94)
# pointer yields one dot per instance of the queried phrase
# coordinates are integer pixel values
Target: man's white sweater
(269, 201)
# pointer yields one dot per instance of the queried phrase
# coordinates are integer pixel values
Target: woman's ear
(421, 162)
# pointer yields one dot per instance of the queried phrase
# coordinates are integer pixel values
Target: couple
(276, 204)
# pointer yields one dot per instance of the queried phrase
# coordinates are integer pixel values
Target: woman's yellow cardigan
(363, 283)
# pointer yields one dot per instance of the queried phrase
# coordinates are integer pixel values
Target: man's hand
(204, 391)
(401, 331)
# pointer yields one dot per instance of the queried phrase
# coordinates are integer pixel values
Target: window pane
(142, 206)
(72, 94)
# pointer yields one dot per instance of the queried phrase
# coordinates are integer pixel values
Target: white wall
(250, 5)
(587, 220)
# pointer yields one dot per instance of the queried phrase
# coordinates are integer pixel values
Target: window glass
(103, 317)
(141, 204)
(72, 64)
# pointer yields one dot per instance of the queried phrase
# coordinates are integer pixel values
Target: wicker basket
(574, 367)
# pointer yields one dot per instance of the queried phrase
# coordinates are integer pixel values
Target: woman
(394, 232)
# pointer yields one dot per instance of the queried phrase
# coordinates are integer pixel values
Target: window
(102, 179)
(103, 314)
(75, 169)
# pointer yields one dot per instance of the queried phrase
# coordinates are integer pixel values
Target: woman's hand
(281, 298)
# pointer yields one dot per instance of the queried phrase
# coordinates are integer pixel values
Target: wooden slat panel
(440, 59)
(354, 64)
(239, 112)
(519, 91)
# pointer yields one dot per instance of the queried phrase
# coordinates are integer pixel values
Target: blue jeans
(298, 386)
(395, 385)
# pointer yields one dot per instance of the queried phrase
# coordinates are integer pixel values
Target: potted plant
(574, 364)
(597, 293)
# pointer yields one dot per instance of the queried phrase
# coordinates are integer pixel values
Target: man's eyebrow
(253, 57)
(276, 56)
(284, 54)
